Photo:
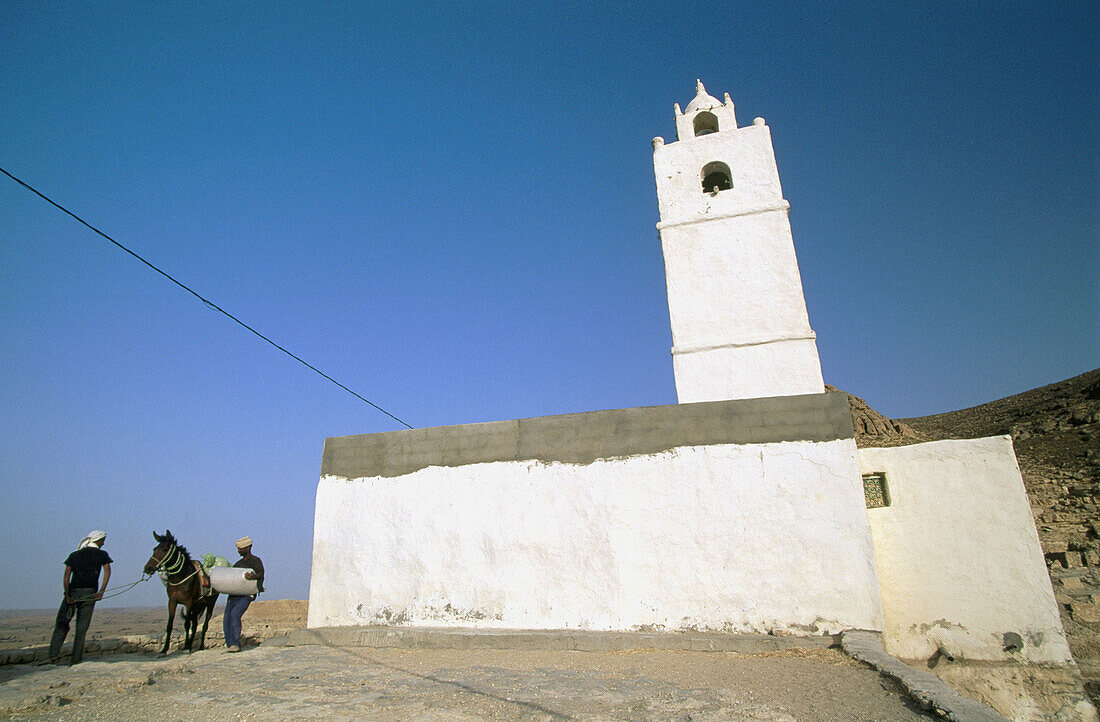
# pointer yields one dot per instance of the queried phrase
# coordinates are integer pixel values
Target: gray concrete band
(583, 438)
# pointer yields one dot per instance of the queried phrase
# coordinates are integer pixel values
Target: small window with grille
(874, 490)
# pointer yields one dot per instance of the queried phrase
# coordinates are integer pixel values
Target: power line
(209, 304)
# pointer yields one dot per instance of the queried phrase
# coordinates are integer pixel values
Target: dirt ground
(28, 628)
(289, 683)
(307, 682)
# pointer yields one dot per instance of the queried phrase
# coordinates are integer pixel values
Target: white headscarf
(93, 538)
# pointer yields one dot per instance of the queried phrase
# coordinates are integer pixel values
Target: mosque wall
(742, 516)
(958, 555)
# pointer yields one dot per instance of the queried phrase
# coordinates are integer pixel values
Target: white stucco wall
(734, 281)
(783, 368)
(745, 538)
(748, 153)
(958, 554)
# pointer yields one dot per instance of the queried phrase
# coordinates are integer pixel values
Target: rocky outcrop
(874, 429)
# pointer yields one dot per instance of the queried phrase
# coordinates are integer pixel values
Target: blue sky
(450, 208)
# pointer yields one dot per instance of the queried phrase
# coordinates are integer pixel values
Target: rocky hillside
(874, 429)
(1056, 433)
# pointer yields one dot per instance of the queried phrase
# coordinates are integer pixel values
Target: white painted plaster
(730, 267)
(731, 281)
(743, 538)
(748, 153)
(784, 368)
(958, 554)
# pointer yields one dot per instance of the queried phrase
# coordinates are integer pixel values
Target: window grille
(874, 490)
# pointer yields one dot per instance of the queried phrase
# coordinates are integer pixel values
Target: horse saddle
(204, 579)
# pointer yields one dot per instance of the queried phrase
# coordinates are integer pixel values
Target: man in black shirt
(235, 605)
(82, 590)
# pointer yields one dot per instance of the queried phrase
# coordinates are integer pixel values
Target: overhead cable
(210, 304)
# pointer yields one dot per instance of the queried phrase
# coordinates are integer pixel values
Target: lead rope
(177, 566)
(116, 591)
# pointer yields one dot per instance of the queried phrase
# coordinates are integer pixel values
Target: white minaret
(739, 323)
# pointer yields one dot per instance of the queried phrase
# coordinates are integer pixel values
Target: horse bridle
(177, 566)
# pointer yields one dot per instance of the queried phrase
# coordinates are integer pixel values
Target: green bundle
(209, 561)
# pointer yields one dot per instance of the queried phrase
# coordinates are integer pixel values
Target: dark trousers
(82, 607)
(231, 620)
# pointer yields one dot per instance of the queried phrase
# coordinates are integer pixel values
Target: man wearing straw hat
(82, 591)
(235, 606)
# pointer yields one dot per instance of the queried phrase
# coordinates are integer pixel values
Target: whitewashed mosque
(746, 507)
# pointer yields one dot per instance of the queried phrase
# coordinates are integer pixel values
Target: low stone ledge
(548, 640)
(924, 687)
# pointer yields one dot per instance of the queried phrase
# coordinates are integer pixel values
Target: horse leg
(195, 612)
(206, 620)
(189, 626)
(168, 631)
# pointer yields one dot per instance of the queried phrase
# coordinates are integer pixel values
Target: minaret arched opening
(716, 177)
(705, 123)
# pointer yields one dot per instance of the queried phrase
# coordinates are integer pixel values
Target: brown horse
(184, 587)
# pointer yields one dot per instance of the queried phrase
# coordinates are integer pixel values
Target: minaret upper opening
(705, 123)
(704, 115)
